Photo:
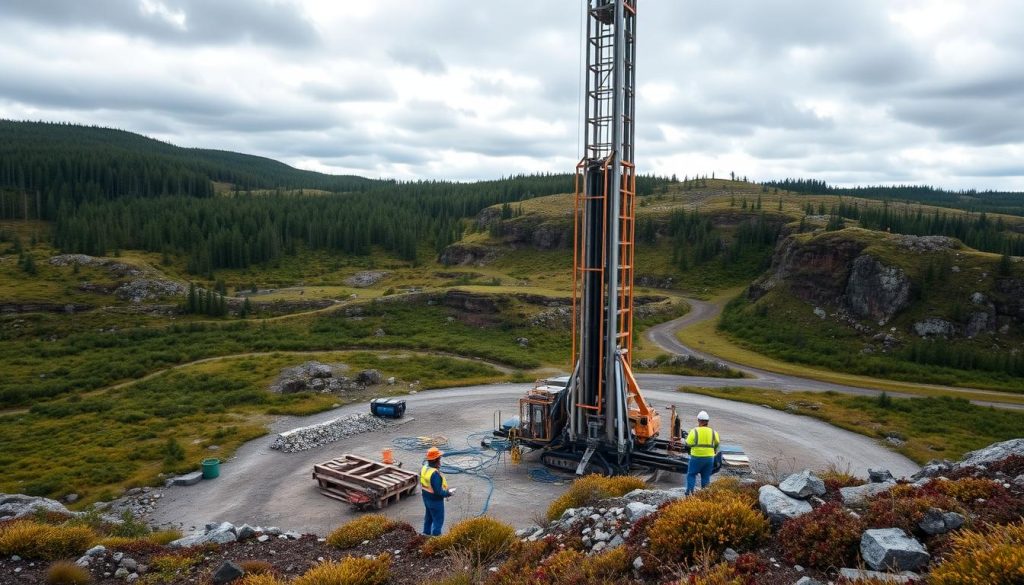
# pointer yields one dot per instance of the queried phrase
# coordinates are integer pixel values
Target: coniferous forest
(108, 190)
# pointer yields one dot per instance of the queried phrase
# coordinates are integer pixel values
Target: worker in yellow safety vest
(703, 443)
(435, 490)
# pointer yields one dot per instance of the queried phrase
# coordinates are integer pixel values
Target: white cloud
(856, 92)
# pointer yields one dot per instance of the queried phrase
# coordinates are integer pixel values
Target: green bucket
(211, 468)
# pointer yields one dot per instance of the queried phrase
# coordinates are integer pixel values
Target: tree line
(1008, 202)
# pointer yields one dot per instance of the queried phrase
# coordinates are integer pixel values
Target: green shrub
(482, 537)
(354, 532)
(349, 571)
(259, 579)
(33, 540)
(67, 573)
(687, 527)
(992, 558)
(590, 489)
(825, 538)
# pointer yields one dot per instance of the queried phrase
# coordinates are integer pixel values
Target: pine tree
(192, 305)
(1005, 264)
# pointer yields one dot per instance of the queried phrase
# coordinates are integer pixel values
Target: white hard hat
(703, 415)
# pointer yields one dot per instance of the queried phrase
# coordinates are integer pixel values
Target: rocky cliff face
(835, 271)
(856, 274)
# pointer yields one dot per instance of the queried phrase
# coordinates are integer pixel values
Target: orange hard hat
(433, 453)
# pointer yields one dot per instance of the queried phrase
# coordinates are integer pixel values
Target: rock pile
(317, 377)
(366, 278)
(311, 437)
(141, 286)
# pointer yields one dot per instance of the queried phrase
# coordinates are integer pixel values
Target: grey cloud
(280, 22)
(365, 89)
(972, 121)
(423, 58)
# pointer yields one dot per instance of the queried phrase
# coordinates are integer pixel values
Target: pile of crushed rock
(311, 437)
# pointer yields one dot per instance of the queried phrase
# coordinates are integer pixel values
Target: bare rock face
(467, 254)
(815, 272)
(875, 291)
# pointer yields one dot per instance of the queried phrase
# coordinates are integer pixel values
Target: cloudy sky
(850, 91)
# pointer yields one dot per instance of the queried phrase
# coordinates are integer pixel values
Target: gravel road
(269, 488)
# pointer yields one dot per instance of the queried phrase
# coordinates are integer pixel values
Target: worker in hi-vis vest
(435, 490)
(703, 442)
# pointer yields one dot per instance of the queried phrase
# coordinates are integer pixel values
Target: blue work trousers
(433, 519)
(699, 465)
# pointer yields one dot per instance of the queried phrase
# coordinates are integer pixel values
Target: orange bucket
(387, 457)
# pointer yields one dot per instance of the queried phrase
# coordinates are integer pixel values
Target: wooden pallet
(363, 482)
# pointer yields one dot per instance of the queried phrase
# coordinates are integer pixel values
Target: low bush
(256, 567)
(169, 565)
(720, 574)
(826, 537)
(573, 566)
(731, 486)
(135, 546)
(590, 489)
(33, 540)
(164, 537)
(896, 510)
(992, 558)
(483, 537)
(348, 571)
(259, 579)
(835, 477)
(67, 573)
(687, 527)
(367, 527)
(966, 489)
(456, 578)
(1004, 508)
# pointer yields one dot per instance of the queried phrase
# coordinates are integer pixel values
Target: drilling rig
(599, 421)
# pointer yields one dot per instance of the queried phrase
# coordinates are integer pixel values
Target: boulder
(637, 510)
(936, 521)
(369, 378)
(802, 485)
(862, 575)
(14, 506)
(292, 386)
(979, 322)
(778, 506)
(245, 531)
(858, 495)
(891, 548)
(880, 475)
(990, 454)
(226, 573)
(190, 540)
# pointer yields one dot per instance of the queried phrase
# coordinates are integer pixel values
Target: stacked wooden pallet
(363, 482)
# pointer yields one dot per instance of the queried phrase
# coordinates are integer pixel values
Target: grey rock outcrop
(979, 322)
(993, 453)
(366, 278)
(934, 327)
(370, 378)
(858, 495)
(14, 506)
(891, 548)
(778, 506)
(802, 485)
(876, 291)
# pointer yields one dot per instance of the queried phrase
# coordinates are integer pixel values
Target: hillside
(899, 306)
(57, 163)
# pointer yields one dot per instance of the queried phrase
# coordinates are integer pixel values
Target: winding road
(664, 336)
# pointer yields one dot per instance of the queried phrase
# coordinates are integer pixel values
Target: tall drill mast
(604, 232)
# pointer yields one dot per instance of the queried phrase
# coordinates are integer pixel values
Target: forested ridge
(1009, 202)
(109, 190)
(44, 164)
